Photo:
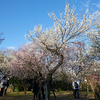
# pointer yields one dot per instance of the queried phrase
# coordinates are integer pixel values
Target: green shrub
(97, 91)
(62, 86)
(17, 85)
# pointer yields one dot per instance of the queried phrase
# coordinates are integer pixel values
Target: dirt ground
(31, 98)
(59, 96)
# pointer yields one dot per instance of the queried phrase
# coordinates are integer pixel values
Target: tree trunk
(92, 88)
(25, 89)
(49, 82)
(49, 76)
(97, 92)
(87, 89)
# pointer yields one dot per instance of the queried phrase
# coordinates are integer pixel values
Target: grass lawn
(63, 95)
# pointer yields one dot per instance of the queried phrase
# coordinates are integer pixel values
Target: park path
(59, 96)
(31, 98)
(71, 98)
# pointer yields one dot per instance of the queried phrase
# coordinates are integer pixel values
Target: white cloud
(11, 48)
(87, 4)
(93, 3)
(98, 5)
(99, 13)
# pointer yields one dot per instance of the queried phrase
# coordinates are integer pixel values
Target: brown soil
(59, 96)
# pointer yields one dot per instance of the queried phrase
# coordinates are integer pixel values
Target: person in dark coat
(76, 85)
(7, 85)
(3, 84)
(41, 82)
(35, 87)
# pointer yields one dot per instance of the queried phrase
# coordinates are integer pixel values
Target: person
(3, 84)
(75, 85)
(7, 85)
(35, 87)
(41, 82)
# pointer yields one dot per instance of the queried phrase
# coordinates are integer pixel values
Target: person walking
(6, 87)
(3, 84)
(41, 83)
(76, 85)
(35, 87)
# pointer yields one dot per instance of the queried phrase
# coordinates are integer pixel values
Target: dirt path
(59, 96)
(31, 98)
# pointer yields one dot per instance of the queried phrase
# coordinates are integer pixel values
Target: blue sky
(18, 17)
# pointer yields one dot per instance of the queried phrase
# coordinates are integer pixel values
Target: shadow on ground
(59, 96)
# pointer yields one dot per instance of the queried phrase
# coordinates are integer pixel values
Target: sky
(18, 17)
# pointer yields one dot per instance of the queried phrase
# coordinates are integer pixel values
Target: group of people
(37, 86)
(4, 85)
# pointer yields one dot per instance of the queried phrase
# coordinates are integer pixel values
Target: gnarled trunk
(49, 76)
(87, 89)
(96, 96)
(49, 83)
